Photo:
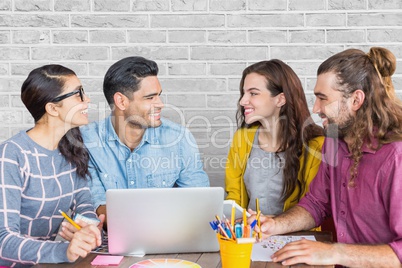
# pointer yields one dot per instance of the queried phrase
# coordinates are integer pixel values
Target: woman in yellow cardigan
(276, 151)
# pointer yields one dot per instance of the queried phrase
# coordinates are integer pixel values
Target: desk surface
(205, 260)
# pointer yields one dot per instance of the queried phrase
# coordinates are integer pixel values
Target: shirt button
(341, 234)
(342, 212)
(344, 184)
(131, 182)
(105, 175)
(129, 160)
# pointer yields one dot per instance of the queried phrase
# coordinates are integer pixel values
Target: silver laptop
(162, 220)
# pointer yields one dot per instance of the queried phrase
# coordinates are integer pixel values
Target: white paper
(263, 250)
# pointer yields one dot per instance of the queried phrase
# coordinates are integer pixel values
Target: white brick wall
(201, 46)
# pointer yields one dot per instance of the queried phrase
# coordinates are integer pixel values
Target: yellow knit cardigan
(237, 160)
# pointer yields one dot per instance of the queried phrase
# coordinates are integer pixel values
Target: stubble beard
(341, 129)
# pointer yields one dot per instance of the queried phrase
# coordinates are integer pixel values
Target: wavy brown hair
(293, 116)
(380, 116)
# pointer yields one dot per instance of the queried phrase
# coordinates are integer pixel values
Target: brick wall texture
(201, 47)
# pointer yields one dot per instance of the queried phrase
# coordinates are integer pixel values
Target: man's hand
(267, 226)
(267, 223)
(102, 210)
(102, 218)
(306, 251)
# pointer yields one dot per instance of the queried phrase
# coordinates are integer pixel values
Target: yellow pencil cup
(234, 255)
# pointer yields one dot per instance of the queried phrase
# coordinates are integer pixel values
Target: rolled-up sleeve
(395, 204)
(317, 200)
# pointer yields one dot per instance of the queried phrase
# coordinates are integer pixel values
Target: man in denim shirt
(134, 147)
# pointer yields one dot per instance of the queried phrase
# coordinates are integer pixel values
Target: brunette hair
(380, 116)
(42, 85)
(294, 114)
(125, 76)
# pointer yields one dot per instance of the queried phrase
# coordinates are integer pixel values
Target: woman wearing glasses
(43, 170)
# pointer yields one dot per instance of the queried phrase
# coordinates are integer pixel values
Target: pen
(227, 230)
(257, 206)
(221, 228)
(230, 227)
(213, 226)
(70, 220)
(238, 230)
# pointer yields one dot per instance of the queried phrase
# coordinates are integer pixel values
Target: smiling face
(72, 110)
(257, 101)
(145, 106)
(332, 107)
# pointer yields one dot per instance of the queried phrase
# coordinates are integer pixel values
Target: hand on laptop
(102, 218)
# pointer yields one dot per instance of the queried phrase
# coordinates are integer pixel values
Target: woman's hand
(67, 229)
(83, 241)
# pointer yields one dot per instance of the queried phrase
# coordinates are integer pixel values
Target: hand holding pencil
(83, 237)
(68, 227)
(70, 220)
(71, 226)
(83, 241)
(265, 226)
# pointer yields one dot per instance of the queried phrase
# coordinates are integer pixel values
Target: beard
(341, 128)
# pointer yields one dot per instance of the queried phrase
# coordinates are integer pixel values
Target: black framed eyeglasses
(62, 97)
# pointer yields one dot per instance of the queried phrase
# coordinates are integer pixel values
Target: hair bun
(384, 61)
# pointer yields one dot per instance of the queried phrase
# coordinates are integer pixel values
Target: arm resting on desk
(318, 253)
(367, 256)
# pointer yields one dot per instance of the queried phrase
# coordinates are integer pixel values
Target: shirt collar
(365, 147)
(110, 132)
(152, 134)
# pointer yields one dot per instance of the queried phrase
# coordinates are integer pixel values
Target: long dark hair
(380, 116)
(293, 116)
(42, 85)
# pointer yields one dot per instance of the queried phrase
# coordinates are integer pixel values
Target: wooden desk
(205, 260)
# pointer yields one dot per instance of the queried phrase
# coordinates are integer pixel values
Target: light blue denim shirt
(167, 156)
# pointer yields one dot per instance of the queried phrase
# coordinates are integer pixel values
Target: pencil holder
(234, 255)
